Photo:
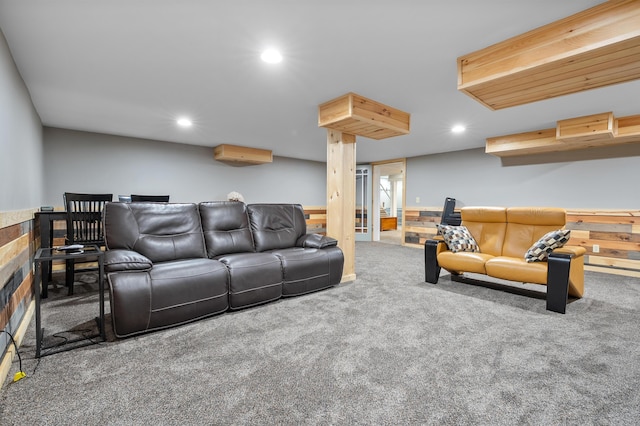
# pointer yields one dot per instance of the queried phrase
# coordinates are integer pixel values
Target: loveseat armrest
(573, 251)
(125, 260)
(558, 269)
(565, 275)
(316, 241)
(431, 249)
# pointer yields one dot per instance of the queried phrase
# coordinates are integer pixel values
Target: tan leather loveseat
(504, 235)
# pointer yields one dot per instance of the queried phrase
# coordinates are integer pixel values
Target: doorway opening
(363, 203)
(388, 184)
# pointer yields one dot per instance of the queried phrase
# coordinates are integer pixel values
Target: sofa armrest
(441, 247)
(565, 276)
(316, 241)
(125, 260)
(573, 251)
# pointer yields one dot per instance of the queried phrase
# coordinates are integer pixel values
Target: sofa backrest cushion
(487, 225)
(526, 225)
(226, 227)
(159, 231)
(276, 226)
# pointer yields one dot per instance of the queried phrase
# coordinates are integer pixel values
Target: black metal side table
(46, 221)
(48, 255)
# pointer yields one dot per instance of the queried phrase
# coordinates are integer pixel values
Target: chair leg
(69, 275)
(558, 282)
(431, 267)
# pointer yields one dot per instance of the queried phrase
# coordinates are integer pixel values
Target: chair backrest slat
(84, 217)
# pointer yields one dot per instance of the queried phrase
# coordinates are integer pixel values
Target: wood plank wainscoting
(616, 232)
(316, 217)
(17, 247)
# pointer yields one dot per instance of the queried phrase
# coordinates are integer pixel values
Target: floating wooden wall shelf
(357, 115)
(242, 155)
(597, 47)
(574, 133)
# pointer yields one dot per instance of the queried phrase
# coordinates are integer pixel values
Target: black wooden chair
(84, 224)
(449, 216)
(152, 198)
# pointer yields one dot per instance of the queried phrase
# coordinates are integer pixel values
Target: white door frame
(368, 208)
(382, 168)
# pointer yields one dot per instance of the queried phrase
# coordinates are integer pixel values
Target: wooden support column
(341, 196)
(345, 118)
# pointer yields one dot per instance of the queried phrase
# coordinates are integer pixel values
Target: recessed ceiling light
(184, 122)
(271, 56)
(458, 128)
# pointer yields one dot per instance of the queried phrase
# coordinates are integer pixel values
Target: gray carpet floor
(386, 349)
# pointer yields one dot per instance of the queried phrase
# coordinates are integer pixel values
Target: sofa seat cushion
(254, 278)
(517, 269)
(463, 261)
(307, 269)
(171, 293)
(186, 290)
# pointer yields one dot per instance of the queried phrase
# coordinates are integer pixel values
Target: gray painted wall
(20, 139)
(88, 162)
(91, 162)
(586, 179)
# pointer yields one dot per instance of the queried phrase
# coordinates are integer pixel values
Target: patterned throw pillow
(540, 250)
(458, 238)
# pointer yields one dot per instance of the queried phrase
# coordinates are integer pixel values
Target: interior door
(363, 203)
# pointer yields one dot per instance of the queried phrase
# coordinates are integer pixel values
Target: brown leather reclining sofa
(504, 235)
(169, 264)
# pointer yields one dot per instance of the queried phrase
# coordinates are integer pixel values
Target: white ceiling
(131, 67)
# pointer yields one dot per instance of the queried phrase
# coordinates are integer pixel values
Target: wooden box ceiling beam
(574, 133)
(597, 47)
(242, 155)
(356, 115)
(597, 127)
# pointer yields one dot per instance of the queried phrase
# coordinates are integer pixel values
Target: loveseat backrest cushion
(487, 225)
(159, 231)
(276, 226)
(226, 227)
(526, 225)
